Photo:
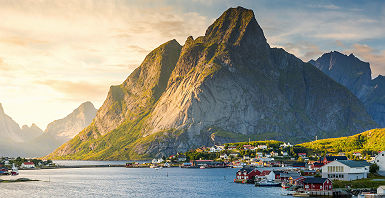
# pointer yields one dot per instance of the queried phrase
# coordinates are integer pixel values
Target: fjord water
(134, 182)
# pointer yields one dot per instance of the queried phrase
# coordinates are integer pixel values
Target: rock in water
(227, 85)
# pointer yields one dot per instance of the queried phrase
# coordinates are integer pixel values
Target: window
(382, 154)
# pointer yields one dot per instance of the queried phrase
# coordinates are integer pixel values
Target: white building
(215, 149)
(262, 147)
(346, 170)
(27, 165)
(224, 156)
(286, 145)
(381, 190)
(380, 161)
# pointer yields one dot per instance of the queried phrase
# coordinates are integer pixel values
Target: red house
(246, 175)
(316, 165)
(317, 184)
(328, 159)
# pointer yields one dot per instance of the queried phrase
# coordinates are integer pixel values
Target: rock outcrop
(356, 75)
(227, 85)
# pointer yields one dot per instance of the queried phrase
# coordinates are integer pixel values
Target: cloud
(304, 50)
(76, 89)
(375, 57)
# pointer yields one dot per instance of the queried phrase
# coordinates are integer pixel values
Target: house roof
(354, 164)
(332, 158)
(289, 174)
(299, 164)
(314, 180)
(28, 163)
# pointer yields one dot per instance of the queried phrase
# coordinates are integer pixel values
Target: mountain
(221, 87)
(9, 129)
(356, 75)
(30, 132)
(16, 141)
(369, 141)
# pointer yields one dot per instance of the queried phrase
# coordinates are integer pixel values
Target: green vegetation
(374, 181)
(367, 143)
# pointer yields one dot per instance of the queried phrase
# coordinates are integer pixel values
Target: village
(278, 164)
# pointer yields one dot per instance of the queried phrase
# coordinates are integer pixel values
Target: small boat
(14, 171)
(202, 167)
(154, 166)
(266, 183)
(286, 185)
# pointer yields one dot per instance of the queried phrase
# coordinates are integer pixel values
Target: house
(27, 165)
(284, 153)
(181, 158)
(224, 156)
(231, 147)
(215, 149)
(380, 161)
(263, 175)
(299, 165)
(308, 172)
(286, 145)
(328, 159)
(274, 154)
(262, 147)
(381, 190)
(302, 155)
(246, 157)
(357, 154)
(286, 176)
(346, 170)
(246, 175)
(234, 154)
(246, 147)
(259, 154)
(317, 184)
(274, 175)
(316, 165)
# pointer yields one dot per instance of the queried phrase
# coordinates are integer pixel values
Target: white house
(216, 148)
(284, 153)
(286, 145)
(381, 190)
(224, 156)
(380, 161)
(346, 170)
(27, 165)
(262, 147)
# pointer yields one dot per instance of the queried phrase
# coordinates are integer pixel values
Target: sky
(57, 54)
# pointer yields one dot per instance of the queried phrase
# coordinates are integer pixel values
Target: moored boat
(266, 183)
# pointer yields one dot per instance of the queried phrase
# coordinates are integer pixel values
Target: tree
(373, 168)
(300, 159)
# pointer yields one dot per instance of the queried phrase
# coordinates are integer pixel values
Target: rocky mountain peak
(234, 26)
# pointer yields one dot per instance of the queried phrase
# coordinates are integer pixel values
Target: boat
(202, 167)
(286, 185)
(14, 171)
(266, 183)
(154, 166)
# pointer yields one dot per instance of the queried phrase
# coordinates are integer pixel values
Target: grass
(374, 181)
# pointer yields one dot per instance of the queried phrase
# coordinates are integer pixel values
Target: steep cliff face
(356, 76)
(227, 85)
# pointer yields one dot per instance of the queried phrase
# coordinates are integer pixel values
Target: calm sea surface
(132, 182)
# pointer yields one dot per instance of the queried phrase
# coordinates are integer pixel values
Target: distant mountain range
(33, 142)
(356, 75)
(221, 87)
